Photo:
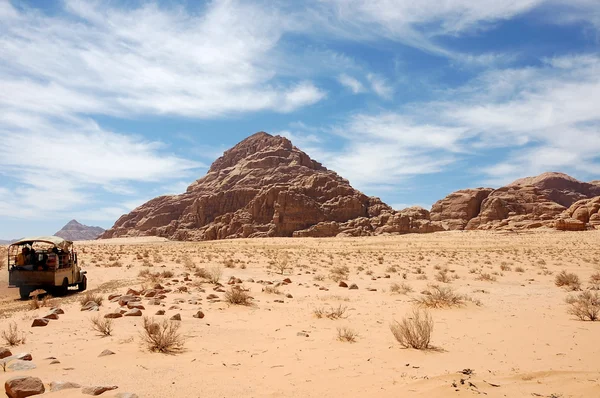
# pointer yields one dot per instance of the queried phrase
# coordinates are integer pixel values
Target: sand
(514, 333)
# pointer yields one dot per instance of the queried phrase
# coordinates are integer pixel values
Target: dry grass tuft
(567, 280)
(486, 277)
(238, 296)
(401, 288)
(104, 326)
(282, 263)
(415, 330)
(585, 306)
(442, 276)
(331, 313)
(440, 297)
(271, 290)
(347, 334)
(90, 296)
(595, 281)
(214, 274)
(13, 336)
(339, 273)
(162, 337)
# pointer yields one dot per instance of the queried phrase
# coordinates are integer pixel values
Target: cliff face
(74, 230)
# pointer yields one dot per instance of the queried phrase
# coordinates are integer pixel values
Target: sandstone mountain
(266, 187)
(74, 230)
(542, 201)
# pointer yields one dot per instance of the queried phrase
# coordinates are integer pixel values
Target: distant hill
(6, 242)
(76, 231)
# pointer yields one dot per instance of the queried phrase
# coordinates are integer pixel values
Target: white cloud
(351, 83)
(380, 86)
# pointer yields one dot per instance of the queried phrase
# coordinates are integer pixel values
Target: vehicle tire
(24, 292)
(81, 286)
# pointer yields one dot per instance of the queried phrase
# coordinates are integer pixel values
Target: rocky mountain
(546, 200)
(266, 187)
(6, 242)
(74, 230)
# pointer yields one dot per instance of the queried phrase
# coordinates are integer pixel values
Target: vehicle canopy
(53, 240)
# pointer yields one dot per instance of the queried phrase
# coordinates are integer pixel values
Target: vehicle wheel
(81, 286)
(24, 292)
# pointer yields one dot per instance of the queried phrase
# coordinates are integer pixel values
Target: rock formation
(73, 231)
(266, 187)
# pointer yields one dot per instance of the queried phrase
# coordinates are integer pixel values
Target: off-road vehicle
(44, 262)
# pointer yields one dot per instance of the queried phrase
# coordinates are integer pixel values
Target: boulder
(133, 312)
(5, 353)
(22, 386)
(569, 224)
(39, 322)
(199, 315)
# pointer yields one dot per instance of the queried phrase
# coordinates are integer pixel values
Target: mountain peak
(74, 230)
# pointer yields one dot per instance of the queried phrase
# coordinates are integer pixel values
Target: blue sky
(106, 104)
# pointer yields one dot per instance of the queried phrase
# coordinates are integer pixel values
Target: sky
(107, 104)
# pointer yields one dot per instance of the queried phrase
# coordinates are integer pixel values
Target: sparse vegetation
(271, 290)
(585, 306)
(414, 331)
(238, 296)
(484, 276)
(347, 334)
(440, 297)
(567, 280)
(13, 336)
(214, 274)
(104, 326)
(331, 312)
(595, 281)
(442, 276)
(401, 288)
(339, 273)
(90, 296)
(281, 263)
(163, 336)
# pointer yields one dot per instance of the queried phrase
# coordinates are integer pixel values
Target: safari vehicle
(44, 262)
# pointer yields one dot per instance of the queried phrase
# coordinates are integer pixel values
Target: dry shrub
(162, 337)
(319, 277)
(167, 274)
(567, 280)
(188, 263)
(339, 273)
(486, 277)
(90, 296)
(440, 297)
(347, 334)
(281, 263)
(13, 336)
(520, 269)
(585, 306)
(505, 267)
(214, 274)
(104, 326)
(414, 331)
(402, 288)
(229, 263)
(442, 276)
(595, 281)
(271, 290)
(238, 296)
(331, 313)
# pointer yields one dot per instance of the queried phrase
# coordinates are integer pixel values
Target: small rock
(176, 317)
(55, 362)
(174, 307)
(62, 385)
(113, 315)
(97, 390)
(132, 292)
(133, 312)
(19, 365)
(39, 322)
(287, 280)
(372, 289)
(302, 334)
(212, 297)
(139, 306)
(154, 302)
(114, 297)
(22, 386)
(238, 281)
(126, 395)
(386, 276)
(160, 312)
(106, 353)
(4, 353)
(289, 295)
(353, 286)
(24, 356)
(250, 280)
(199, 315)
(57, 311)
(124, 300)
(151, 293)
(343, 284)
(279, 301)
(51, 315)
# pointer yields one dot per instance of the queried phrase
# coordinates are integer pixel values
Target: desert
(509, 334)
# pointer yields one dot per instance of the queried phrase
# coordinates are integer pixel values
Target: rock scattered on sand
(62, 385)
(176, 317)
(97, 390)
(39, 322)
(160, 312)
(133, 312)
(126, 395)
(343, 284)
(353, 286)
(106, 353)
(23, 386)
(5, 352)
(90, 306)
(199, 315)
(113, 315)
(20, 365)
(51, 315)
(24, 356)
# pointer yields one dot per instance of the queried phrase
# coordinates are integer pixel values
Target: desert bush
(90, 296)
(281, 263)
(402, 288)
(319, 277)
(585, 306)
(339, 273)
(271, 290)
(567, 280)
(519, 269)
(214, 274)
(442, 276)
(13, 336)
(188, 263)
(167, 274)
(238, 296)
(202, 273)
(104, 326)
(505, 267)
(346, 334)
(331, 313)
(486, 277)
(440, 297)
(162, 337)
(229, 263)
(414, 331)
(595, 281)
